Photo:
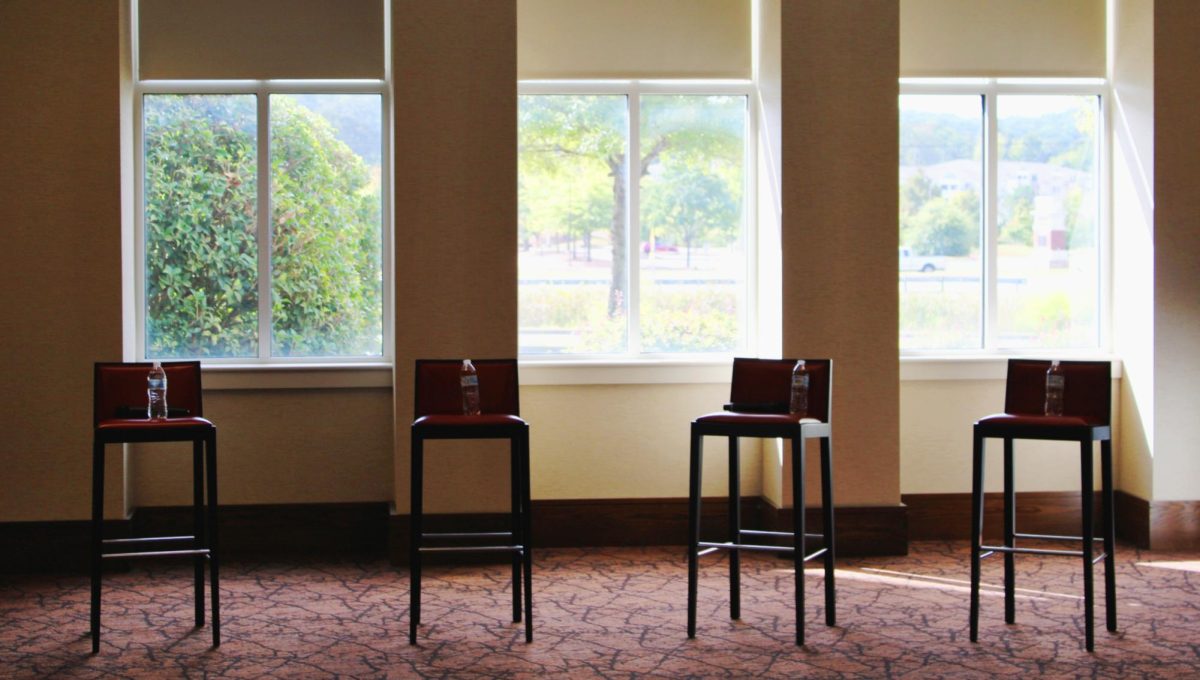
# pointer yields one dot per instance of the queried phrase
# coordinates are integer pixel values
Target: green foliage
(684, 320)
(690, 205)
(700, 320)
(201, 234)
(930, 138)
(1016, 216)
(934, 223)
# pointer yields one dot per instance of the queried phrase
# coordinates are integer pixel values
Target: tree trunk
(617, 293)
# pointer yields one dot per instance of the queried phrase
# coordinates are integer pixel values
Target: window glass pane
(326, 226)
(572, 260)
(693, 262)
(200, 209)
(941, 185)
(1047, 275)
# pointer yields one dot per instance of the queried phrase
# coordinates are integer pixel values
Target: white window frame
(263, 89)
(633, 357)
(989, 89)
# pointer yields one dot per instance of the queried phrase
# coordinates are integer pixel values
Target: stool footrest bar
(1050, 537)
(146, 539)
(156, 553)
(815, 554)
(468, 534)
(1031, 551)
(474, 548)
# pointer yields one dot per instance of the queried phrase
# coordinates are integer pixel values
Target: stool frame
(795, 431)
(201, 545)
(1052, 429)
(507, 426)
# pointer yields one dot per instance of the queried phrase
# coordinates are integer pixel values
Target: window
(1000, 215)
(262, 221)
(633, 237)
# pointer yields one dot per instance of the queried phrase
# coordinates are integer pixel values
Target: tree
(947, 226)
(590, 131)
(201, 232)
(691, 205)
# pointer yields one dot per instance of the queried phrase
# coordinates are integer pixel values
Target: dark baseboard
(861, 531)
(1175, 525)
(353, 530)
(51, 547)
(357, 530)
(1159, 525)
(1133, 519)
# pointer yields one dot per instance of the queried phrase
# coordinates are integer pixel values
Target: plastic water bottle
(470, 388)
(800, 379)
(156, 392)
(1056, 386)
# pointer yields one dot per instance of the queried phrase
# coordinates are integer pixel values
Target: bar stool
(119, 416)
(439, 415)
(759, 396)
(1085, 419)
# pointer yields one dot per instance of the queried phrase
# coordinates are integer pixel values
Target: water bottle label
(470, 380)
(1055, 382)
(800, 381)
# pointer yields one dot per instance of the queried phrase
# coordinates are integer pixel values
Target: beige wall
(262, 39)
(935, 437)
(633, 39)
(946, 38)
(1132, 153)
(60, 273)
(626, 441)
(281, 446)
(840, 141)
(455, 66)
(1176, 250)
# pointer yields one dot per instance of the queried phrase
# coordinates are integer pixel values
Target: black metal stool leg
(1085, 462)
(697, 448)
(214, 551)
(516, 525)
(414, 540)
(827, 530)
(198, 540)
(798, 552)
(735, 526)
(976, 530)
(1110, 536)
(527, 533)
(1010, 540)
(97, 538)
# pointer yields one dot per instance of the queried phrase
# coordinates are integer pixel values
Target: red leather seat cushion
(734, 418)
(445, 420)
(160, 424)
(1038, 420)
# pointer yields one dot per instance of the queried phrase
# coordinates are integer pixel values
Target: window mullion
(991, 171)
(264, 224)
(633, 228)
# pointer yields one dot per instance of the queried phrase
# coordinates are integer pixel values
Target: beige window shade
(262, 39)
(998, 38)
(560, 39)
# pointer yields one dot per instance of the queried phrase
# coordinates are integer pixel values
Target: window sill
(563, 372)
(983, 366)
(600, 372)
(297, 376)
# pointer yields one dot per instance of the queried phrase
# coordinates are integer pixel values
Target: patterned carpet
(609, 613)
